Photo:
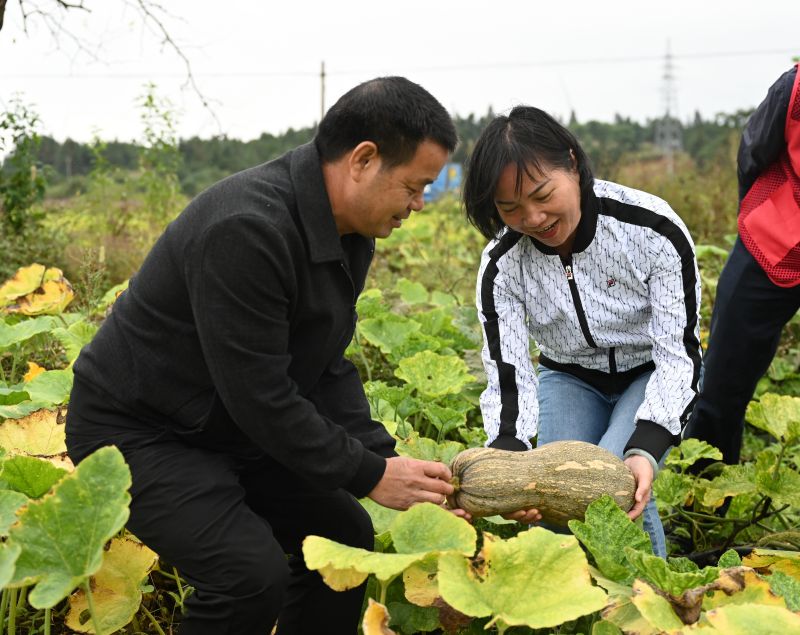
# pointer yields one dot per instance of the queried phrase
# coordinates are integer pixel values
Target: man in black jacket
(220, 373)
(759, 287)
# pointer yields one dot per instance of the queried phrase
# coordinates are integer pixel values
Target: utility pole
(668, 131)
(322, 91)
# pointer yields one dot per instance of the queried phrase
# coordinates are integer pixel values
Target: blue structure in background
(448, 182)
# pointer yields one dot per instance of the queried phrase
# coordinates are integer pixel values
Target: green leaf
(426, 449)
(12, 396)
(753, 619)
(22, 409)
(654, 608)
(8, 559)
(667, 576)
(787, 587)
(387, 331)
(411, 292)
(671, 488)
(537, 579)
(413, 619)
(51, 387)
(110, 296)
(24, 330)
(427, 527)
(774, 414)
(605, 628)
(779, 482)
(10, 502)
(605, 532)
(31, 476)
(690, 451)
(62, 536)
(734, 480)
(729, 559)
(623, 613)
(445, 420)
(382, 517)
(434, 375)
(74, 338)
(417, 532)
(439, 298)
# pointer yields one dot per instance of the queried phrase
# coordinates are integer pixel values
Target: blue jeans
(571, 409)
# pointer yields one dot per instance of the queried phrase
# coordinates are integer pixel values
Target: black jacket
(763, 137)
(234, 329)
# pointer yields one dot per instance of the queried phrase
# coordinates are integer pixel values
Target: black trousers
(233, 525)
(749, 313)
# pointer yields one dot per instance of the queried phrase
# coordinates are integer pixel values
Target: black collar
(314, 206)
(587, 225)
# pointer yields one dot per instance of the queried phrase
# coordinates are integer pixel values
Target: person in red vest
(759, 288)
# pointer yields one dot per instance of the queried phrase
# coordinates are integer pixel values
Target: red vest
(769, 218)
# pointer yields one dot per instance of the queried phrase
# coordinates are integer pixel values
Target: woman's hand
(643, 473)
(524, 516)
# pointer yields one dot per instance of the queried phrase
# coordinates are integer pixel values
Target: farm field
(68, 565)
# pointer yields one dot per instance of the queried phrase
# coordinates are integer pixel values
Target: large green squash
(559, 479)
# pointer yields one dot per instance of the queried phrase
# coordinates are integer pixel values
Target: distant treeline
(204, 161)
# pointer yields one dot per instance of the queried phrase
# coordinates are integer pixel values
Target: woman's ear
(573, 159)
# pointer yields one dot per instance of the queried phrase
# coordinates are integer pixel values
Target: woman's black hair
(528, 138)
(393, 112)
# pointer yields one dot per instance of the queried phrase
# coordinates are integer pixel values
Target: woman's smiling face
(546, 206)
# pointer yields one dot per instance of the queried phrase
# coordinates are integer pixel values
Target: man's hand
(643, 473)
(407, 481)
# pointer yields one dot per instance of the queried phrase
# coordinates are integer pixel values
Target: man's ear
(362, 159)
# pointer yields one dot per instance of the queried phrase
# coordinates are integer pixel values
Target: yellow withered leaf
(51, 297)
(376, 619)
(26, 280)
(40, 434)
(33, 370)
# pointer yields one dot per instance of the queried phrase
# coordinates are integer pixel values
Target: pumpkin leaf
(31, 476)
(428, 528)
(10, 503)
(24, 281)
(52, 387)
(551, 588)
(116, 588)
(12, 396)
(671, 577)
(382, 517)
(690, 451)
(655, 608)
(734, 480)
(62, 535)
(606, 532)
(8, 560)
(75, 337)
(40, 433)
(750, 590)
(622, 612)
(780, 483)
(787, 587)
(445, 420)
(787, 562)
(411, 292)
(776, 414)
(604, 627)
(673, 489)
(753, 619)
(729, 559)
(51, 297)
(387, 331)
(434, 375)
(376, 619)
(420, 581)
(11, 334)
(414, 619)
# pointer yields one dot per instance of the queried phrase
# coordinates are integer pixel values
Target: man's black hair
(393, 112)
(528, 138)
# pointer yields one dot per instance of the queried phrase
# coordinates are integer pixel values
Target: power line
(419, 69)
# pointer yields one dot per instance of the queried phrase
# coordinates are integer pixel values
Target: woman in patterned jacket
(604, 279)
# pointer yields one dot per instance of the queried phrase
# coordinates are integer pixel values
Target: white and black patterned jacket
(626, 301)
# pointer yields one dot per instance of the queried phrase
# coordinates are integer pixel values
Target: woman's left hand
(643, 473)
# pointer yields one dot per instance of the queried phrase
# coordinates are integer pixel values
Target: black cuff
(506, 442)
(652, 438)
(368, 474)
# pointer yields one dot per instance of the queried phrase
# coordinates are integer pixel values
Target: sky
(258, 63)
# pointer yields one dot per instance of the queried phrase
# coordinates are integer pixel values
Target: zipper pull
(568, 271)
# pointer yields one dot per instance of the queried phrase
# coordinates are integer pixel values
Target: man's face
(387, 196)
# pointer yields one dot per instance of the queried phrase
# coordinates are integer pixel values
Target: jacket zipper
(576, 299)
